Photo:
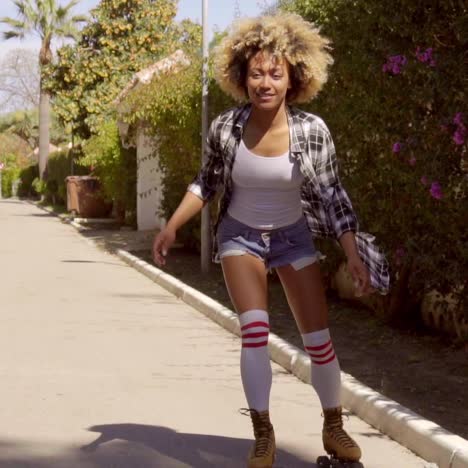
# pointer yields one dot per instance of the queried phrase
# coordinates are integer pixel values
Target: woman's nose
(265, 82)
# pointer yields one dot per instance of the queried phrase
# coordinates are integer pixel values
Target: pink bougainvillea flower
(459, 136)
(424, 180)
(1, 166)
(396, 148)
(426, 56)
(412, 161)
(436, 191)
(458, 119)
(394, 64)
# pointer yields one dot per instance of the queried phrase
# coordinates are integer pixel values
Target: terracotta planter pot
(85, 198)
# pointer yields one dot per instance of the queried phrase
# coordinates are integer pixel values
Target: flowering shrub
(396, 107)
(396, 114)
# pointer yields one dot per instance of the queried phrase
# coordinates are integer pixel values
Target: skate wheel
(323, 462)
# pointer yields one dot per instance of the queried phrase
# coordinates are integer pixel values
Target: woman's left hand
(360, 275)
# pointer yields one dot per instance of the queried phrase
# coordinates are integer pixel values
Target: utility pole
(205, 216)
(1, 168)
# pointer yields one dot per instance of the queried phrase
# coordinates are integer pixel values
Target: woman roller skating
(276, 168)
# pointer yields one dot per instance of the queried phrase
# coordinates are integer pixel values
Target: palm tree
(48, 19)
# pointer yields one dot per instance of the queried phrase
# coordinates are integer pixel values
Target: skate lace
(334, 427)
(262, 429)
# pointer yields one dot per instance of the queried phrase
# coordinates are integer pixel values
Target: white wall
(149, 184)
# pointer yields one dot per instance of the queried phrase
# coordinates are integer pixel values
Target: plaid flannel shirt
(325, 203)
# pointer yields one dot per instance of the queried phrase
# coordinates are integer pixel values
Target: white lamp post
(205, 216)
(1, 168)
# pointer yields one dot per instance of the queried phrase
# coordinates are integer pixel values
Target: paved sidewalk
(100, 367)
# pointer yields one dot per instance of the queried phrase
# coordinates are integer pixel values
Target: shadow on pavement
(144, 446)
(194, 450)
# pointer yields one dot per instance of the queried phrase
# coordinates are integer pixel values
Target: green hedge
(396, 106)
(116, 168)
(60, 165)
(9, 175)
(27, 176)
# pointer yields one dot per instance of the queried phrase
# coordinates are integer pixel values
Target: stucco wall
(149, 184)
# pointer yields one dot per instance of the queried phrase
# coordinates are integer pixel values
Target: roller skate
(342, 449)
(262, 453)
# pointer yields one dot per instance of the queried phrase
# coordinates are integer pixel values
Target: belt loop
(266, 238)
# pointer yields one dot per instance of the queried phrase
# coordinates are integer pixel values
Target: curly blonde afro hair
(286, 36)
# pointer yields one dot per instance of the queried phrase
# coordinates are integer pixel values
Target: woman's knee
(306, 296)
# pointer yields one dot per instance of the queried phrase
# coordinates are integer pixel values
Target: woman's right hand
(161, 245)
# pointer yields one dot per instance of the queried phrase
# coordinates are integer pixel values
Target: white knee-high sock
(255, 361)
(326, 374)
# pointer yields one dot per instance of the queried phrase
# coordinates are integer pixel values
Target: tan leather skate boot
(262, 453)
(335, 439)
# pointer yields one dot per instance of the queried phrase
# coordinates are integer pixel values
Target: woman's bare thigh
(306, 296)
(246, 282)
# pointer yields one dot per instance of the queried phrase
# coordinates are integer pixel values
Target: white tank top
(266, 190)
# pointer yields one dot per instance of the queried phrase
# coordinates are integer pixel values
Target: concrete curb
(425, 438)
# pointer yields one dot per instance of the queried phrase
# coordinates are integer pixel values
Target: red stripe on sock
(322, 355)
(320, 363)
(255, 324)
(255, 335)
(254, 345)
(318, 348)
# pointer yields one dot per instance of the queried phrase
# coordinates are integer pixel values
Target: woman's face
(267, 80)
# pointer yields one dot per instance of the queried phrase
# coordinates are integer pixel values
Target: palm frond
(16, 24)
(22, 6)
(79, 19)
(12, 35)
(29, 14)
(68, 31)
(45, 17)
(71, 5)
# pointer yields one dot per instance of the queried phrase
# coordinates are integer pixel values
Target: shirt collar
(296, 132)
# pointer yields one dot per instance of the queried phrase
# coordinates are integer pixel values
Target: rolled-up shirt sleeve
(337, 202)
(206, 183)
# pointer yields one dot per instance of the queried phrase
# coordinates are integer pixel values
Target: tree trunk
(44, 125)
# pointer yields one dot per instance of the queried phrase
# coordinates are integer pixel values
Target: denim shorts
(289, 245)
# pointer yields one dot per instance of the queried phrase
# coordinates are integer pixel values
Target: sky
(220, 15)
